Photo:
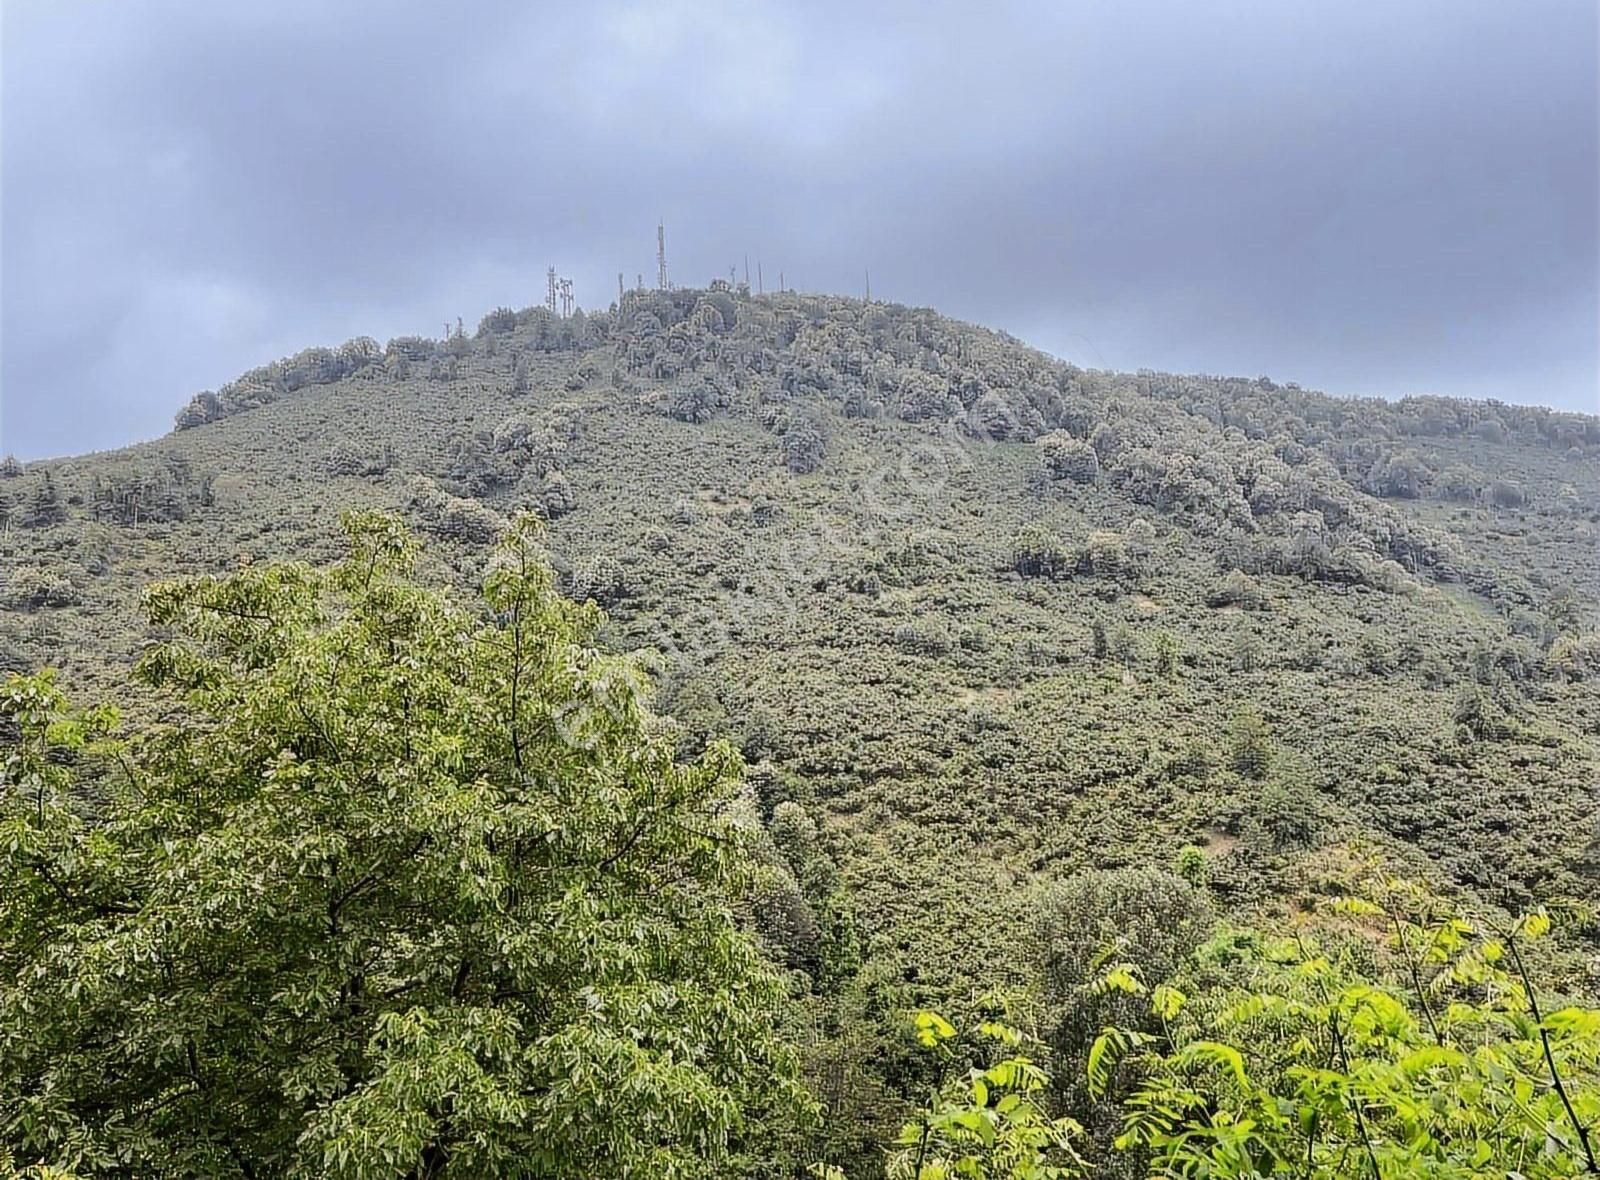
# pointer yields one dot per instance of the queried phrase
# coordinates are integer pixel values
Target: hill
(980, 620)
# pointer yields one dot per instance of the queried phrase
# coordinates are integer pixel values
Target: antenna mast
(869, 286)
(566, 298)
(661, 255)
(619, 290)
(550, 299)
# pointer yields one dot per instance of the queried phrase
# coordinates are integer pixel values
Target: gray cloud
(1368, 197)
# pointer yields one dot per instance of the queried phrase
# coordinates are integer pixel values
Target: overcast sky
(1365, 196)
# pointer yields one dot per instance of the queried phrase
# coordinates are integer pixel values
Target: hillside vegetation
(1033, 670)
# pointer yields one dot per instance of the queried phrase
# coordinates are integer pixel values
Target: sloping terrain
(985, 617)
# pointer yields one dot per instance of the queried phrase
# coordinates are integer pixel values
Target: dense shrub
(29, 587)
(1505, 493)
(1250, 744)
(1037, 552)
(498, 322)
(452, 516)
(1146, 919)
(556, 497)
(347, 458)
(43, 505)
(1237, 589)
(802, 444)
(599, 579)
(131, 493)
(1066, 457)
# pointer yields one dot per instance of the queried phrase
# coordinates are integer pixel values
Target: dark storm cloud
(1371, 197)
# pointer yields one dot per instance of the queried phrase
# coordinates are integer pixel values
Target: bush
(556, 497)
(1403, 476)
(1505, 493)
(132, 492)
(1576, 657)
(1376, 653)
(1191, 865)
(1250, 745)
(802, 445)
(691, 402)
(783, 919)
(1288, 813)
(1168, 653)
(1070, 458)
(1146, 919)
(346, 458)
(1476, 714)
(927, 638)
(452, 516)
(1036, 552)
(498, 322)
(42, 507)
(203, 407)
(1237, 589)
(1459, 484)
(600, 579)
(29, 587)
(1104, 555)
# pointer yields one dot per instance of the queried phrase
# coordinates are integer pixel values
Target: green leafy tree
(1143, 919)
(986, 1122)
(403, 891)
(1305, 1064)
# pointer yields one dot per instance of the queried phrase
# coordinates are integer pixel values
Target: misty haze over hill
(1377, 199)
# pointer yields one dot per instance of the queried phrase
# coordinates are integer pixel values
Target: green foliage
(802, 442)
(1237, 589)
(131, 493)
(1306, 1065)
(1133, 927)
(1069, 458)
(988, 1122)
(1168, 653)
(1191, 865)
(42, 506)
(396, 892)
(1037, 552)
(1250, 744)
(29, 587)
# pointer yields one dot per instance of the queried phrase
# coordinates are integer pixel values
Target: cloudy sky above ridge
(1365, 196)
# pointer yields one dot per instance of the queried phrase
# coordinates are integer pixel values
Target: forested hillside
(1033, 670)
